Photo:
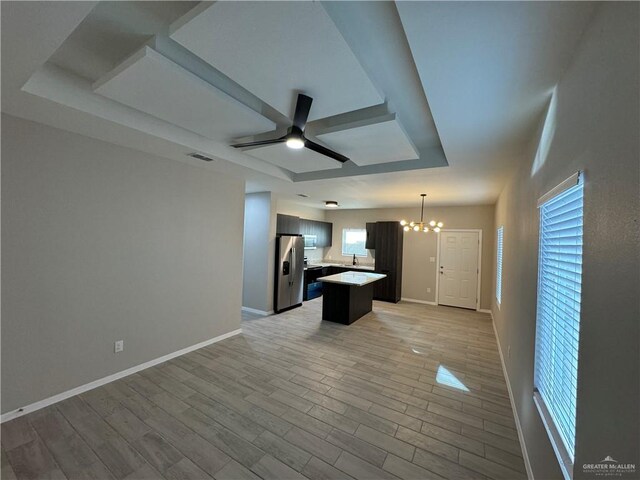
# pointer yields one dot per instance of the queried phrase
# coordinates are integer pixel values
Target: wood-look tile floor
(293, 397)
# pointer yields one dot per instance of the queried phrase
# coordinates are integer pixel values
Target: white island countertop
(353, 278)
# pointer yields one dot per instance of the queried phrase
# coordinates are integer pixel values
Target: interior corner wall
(103, 243)
(596, 131)
(259, 251)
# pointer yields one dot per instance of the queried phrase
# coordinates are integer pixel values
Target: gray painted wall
(596, 130)
(418, 273)
(102, 243)
(259, 251)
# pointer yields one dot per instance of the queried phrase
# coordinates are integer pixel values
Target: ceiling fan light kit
(295, 143)
(295, 138)
(421, 226)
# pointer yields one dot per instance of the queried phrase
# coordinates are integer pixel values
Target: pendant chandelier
(421, 226)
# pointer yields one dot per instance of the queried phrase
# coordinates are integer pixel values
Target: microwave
(310, 242)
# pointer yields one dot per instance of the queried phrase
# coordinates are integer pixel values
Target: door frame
(479, 230)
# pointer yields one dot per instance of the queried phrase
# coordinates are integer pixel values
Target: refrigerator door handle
(293, 266)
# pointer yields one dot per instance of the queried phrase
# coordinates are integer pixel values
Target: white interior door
(458, 282)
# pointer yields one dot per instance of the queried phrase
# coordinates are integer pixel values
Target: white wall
(288, 207)
(418, 273)
(597, 127)
(103, 243)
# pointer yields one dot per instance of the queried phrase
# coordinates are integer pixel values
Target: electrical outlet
(428, 290)
(509, 351)
(119, 346)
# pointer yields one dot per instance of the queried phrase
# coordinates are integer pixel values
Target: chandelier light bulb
(432, 223)
(406, 228)
(416, 228)
(403, 222)
(426, 229)
(437, 229)
(440, 224)
(412, 224)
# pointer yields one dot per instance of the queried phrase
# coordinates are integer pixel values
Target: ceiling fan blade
(303, 106)
(260, 142)
(324, 151)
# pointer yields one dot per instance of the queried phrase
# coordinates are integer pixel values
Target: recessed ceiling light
(302, 195)
(331, 204)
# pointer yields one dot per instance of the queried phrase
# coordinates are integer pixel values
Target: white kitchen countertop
(353, 278)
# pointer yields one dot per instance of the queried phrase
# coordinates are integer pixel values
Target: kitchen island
(348, 296)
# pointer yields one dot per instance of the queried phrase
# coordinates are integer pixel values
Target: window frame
(499, 261)
(565, 457)
(364, 249)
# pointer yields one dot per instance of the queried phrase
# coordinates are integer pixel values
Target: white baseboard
(110, 378)
(523, 446)
(414, 300)
(258, 312)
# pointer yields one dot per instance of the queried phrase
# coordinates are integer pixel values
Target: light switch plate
(118, 346)
(432, 259)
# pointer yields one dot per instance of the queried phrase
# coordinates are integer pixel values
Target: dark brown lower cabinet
(346, 303)
(389, 238)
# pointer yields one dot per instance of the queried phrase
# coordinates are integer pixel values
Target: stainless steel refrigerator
(289, 272)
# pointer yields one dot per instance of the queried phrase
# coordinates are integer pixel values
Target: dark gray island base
(348, 296)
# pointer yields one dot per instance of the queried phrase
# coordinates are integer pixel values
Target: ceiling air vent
(199, 156)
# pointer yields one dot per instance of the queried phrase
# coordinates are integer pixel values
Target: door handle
(293, 269)
(295, 263)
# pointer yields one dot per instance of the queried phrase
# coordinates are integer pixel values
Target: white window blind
(499, 266)
(558, 313)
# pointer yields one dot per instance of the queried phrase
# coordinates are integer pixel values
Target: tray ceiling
(381, 142)
(399, 54)
(277, 49)
(297, 161)
(153, 84)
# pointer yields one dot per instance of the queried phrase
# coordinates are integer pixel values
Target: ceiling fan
(295, 134)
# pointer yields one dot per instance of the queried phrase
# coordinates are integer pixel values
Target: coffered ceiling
(277, 49)
(422, 96)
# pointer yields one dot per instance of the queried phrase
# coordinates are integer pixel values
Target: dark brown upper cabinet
(371, 236)
(291, 225)
(287, 225)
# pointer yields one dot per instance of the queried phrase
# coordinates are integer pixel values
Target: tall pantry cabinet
(388, 248)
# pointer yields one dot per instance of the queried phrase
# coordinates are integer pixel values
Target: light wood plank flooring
(293, 397)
